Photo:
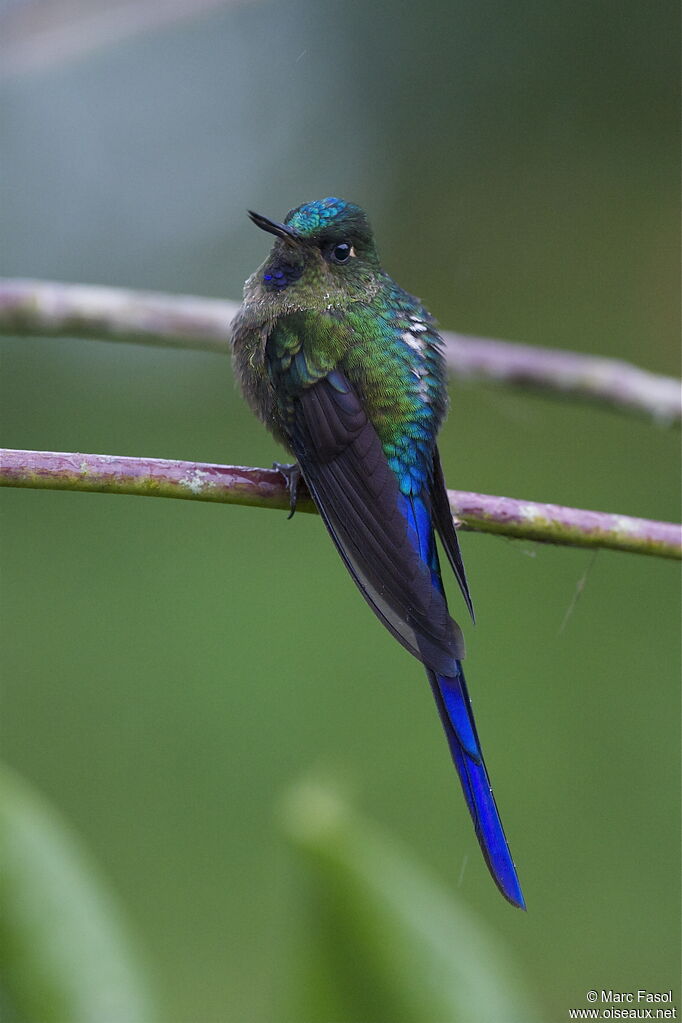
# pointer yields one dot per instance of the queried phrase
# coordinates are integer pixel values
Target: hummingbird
(347, 372)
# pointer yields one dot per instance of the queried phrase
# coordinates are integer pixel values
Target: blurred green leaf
(384, 942)
(65, 953)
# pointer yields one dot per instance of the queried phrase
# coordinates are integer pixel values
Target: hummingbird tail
(456, 715)
(454, 707)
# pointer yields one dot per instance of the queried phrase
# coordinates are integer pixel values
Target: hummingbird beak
(287, 234)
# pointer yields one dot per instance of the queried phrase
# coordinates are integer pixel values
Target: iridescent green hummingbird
(346, 370)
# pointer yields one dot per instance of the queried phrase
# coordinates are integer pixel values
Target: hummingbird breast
(249, 339)
(389, 350)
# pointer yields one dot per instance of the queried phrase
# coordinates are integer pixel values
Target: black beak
(287, 234)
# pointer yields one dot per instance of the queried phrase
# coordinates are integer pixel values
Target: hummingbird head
(324, 256)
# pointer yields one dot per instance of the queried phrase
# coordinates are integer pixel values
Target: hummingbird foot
(292, 475)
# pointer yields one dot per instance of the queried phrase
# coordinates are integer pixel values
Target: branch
(265, 488)
(180, 321)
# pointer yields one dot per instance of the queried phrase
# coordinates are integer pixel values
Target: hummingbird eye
(341, 253)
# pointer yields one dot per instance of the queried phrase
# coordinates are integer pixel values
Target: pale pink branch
(47, 308)
(265, 488)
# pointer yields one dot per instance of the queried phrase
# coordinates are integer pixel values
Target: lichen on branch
(266, 488)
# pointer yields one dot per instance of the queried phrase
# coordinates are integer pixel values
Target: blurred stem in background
(54, 309)
(66, 952)
(383, 941)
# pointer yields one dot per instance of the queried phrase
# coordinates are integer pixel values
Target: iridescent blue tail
(454, 707)
(456, 715)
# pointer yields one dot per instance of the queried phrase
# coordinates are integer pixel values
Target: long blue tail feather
(454, 708)
(452, 692)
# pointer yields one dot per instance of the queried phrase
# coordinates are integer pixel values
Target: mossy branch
(44, 308)
(265, 488)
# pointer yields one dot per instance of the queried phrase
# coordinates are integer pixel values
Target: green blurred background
(171, 669)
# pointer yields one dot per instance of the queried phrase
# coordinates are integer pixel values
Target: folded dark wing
(442, 518)
(357, 494)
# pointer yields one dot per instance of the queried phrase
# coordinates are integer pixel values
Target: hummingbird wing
(357, 495)
(442, 520)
